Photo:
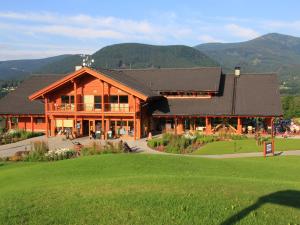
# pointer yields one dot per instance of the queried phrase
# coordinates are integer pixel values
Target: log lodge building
(132, 103)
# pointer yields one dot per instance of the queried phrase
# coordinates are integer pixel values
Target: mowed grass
(247, 145)
(151, 189)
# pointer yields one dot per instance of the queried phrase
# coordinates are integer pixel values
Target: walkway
(53, 143)
(139, 145)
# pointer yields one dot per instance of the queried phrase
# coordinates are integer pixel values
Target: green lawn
(151, 189)
(247, 145)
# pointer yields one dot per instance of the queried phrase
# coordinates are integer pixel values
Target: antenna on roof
(87, 61)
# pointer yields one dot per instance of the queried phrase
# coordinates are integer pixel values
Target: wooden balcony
(90, 108)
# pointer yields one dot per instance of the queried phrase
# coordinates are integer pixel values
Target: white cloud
(207, 38)
(238, 31)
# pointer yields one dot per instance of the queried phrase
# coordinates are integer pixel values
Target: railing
(90, 107)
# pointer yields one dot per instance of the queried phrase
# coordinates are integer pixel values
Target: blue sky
(37, 29)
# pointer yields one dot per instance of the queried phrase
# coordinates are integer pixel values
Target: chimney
(237, 71)
(78, 68)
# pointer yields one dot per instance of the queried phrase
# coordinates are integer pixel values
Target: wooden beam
(103, 109)
(46, 117)
(208, 125)
(31, 124)
(134, 118)
(239, 125)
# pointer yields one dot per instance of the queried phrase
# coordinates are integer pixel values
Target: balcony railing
(90, 107)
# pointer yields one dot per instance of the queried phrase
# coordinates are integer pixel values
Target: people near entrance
(68, 133)
(92, 135)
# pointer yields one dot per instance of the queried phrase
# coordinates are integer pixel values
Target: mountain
(134, 55)
(271, 52)
(18, 69)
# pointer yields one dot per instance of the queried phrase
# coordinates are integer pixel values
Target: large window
(97, 101)
(67, 99)
(113, 99)
(123, 98)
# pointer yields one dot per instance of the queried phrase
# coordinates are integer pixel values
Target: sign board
(269, 148)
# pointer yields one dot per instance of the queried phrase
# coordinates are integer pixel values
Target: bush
(108, 147)
(60, 154)
(38, 152)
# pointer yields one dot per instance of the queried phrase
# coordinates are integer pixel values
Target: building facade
(132, 103)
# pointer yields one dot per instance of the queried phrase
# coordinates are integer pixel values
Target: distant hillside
(271, 52)
(133, 55)
(145, 56)
(17, 69)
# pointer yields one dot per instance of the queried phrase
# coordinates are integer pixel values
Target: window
(67, 99)
(123, 99)
(113, 99)
(40, 120)
(97, 101)
(64, 99)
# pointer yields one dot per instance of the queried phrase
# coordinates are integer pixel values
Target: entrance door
(85, 127)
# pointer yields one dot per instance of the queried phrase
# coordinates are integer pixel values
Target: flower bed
(40, 151)
(188, 143)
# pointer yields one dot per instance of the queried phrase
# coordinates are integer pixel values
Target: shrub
(108, 147)
(38, 152)
(60, 154)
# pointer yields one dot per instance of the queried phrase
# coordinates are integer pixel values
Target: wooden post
(46, 117)
(103, 108)
(31, 123)
(134, 118)
(9, 123)
(180, 126)
(175, 125)
(75, 96)
(208, 125)
(52, 126)
(239, 126)
(138, 118)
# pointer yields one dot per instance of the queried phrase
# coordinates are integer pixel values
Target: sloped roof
(178, 79)
(257, 94)
(122, 82)
(128, 81)
(17, 102)
(217, 105)
(254, 95)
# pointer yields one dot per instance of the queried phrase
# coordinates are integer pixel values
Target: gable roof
(17, 102)
(178, 79)
(121, 81)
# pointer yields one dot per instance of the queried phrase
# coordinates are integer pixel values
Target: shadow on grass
(290, 198)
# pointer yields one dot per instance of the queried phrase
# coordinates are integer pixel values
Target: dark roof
(17, 102)
(178, 79)
(255, 95)
(217, 105)
(128, 81)
(258, 94)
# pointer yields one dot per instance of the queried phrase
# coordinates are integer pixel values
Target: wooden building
(131, 103)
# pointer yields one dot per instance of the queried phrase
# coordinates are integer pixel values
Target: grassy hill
(133, 55)
(129, 55)
(18, 69)
(144, 56)
(271, 52)
(151, 189)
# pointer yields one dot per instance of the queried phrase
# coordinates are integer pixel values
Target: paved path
(53, 143)
(139, 145)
